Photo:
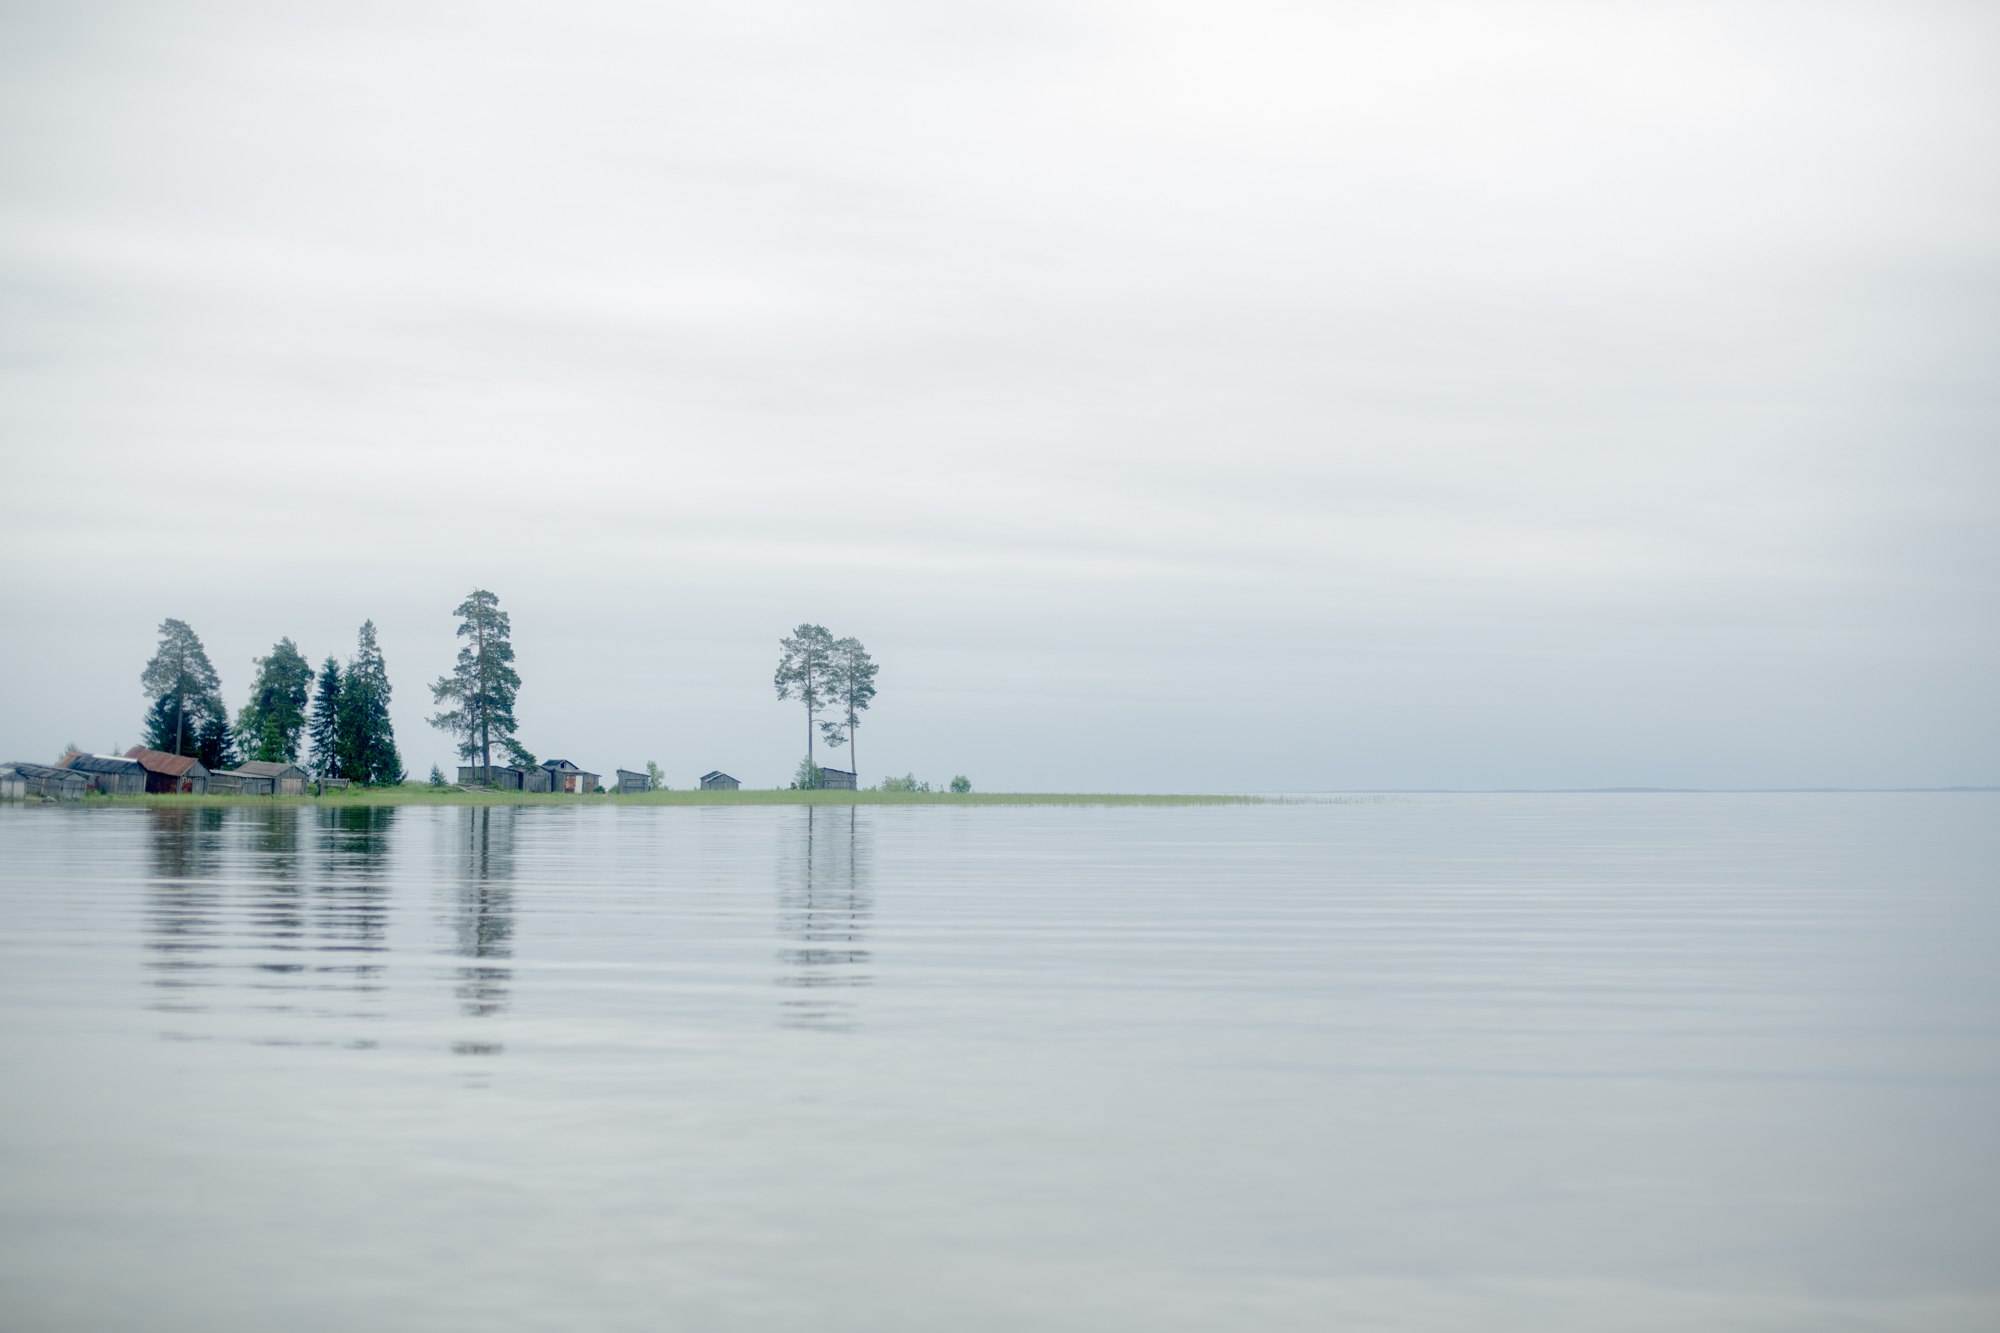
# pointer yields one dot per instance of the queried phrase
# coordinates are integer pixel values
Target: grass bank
(418, 793)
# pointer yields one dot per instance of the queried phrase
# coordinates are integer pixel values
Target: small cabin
(165, 772)
(632, 784)
(719, 781)
(112, 774)
(567, 777)
(286, 779)
(506, 778)
(835, 779)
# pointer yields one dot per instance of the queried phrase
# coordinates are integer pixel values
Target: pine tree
(802, 674)
(482, 686)
(367, 744)
(214, 745)
(324, 737)
(272, 723)
(850, 689)
(179, 678)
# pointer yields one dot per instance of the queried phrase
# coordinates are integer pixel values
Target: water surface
(1512, 1062)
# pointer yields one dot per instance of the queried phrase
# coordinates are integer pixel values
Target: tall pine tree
(367, 738)
(273, 722)
(803, 665)
(850, 689)
(182, 683)
(482, 687)
(324, 738)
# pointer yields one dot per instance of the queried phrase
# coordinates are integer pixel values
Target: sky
(1171, 397)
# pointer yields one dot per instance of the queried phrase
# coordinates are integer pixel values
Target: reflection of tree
(185, 926)
(483, 921)
(245, 890)
(824, 904)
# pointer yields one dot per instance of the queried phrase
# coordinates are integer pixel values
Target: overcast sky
(1172, 397)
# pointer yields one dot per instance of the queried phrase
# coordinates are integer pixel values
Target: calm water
(1536, 1062)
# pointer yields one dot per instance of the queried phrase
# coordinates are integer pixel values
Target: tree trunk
(180, 721)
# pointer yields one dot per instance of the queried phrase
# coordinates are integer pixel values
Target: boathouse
(835, 779)
(719, 781)
(632, 784)
(23, 779)
(171, 772)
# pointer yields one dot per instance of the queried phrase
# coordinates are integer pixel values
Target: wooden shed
(835, 779)
(24, 779)
(112, 774)
(171, 772)
(719, 781)
(236, 782)
(565, 776)
(286, 779)
(506, 778)
(632, 784)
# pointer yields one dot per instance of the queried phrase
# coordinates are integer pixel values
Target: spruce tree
(482, 687)
(179, 679)
(214, 745)
(272, 723)
(367, 744)
(324, 737)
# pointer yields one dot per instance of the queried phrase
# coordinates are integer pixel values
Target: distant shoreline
(424, 794)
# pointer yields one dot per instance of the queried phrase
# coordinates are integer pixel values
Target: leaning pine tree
(850, 689)
(367, 739)
(481, 688)
(804, 668)
(182, 683)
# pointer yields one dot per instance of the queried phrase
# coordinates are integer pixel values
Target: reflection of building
(824, 905)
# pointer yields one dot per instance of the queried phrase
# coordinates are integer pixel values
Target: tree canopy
(272, 724)
(850, 689)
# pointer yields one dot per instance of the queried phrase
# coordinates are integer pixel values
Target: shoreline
(424, 794)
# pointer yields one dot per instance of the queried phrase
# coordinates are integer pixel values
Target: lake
(1536, 1062)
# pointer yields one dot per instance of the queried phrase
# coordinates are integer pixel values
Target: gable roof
(159, 761)
(560, 766)
(718, 773)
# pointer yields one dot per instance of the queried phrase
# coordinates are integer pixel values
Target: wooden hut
(835, 779)
(286, 779)
(112, 774)
(632, 784)
(171, 772)
(719, 781)
(23, 779)
(567, 777)
(237, 782)
(506, 778)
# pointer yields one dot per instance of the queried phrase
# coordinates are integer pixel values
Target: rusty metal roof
(159, 761)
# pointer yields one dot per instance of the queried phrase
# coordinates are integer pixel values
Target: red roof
(159, 761)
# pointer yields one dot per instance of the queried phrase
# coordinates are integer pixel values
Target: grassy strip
(417, 793)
